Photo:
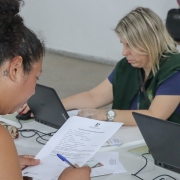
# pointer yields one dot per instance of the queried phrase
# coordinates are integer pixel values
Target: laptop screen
(163, 140)
(47, 107)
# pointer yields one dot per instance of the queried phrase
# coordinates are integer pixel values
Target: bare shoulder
(8, 157)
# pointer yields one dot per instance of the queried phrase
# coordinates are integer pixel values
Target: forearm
(79, 101)
(126, 116)
(97, 97)
(159, 108)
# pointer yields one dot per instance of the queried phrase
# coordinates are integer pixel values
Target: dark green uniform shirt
(126, 83)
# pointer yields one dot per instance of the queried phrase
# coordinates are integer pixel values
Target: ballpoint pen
(64, 159)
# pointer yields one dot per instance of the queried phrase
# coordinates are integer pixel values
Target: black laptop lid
(47, 107)
(163, 140)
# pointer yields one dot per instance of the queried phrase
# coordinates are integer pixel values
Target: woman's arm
(164, 104)
(162, 107)
(97, 97)
(9, 166)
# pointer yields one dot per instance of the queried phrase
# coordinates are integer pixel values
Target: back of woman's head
(15, 38)
(144, 30)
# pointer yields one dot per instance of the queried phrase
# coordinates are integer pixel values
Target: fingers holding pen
(78, 173)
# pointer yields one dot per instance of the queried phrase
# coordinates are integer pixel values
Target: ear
(15, 68)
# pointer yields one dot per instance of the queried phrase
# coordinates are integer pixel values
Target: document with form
(77, 140)
(103, 163)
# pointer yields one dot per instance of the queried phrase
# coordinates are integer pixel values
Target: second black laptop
(47, 107)
(163, 140)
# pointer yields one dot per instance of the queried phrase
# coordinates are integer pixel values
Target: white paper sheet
(110, 160)
(77, 140)
(113, 141)
(72, 113)
(103, 163)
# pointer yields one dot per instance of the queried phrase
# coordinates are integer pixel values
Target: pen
(64, 159)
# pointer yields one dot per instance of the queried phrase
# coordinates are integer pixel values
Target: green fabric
(126, 83)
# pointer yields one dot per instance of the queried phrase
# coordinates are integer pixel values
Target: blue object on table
(64, 159)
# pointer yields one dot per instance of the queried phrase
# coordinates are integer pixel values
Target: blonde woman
(146, 80)
(149, 52)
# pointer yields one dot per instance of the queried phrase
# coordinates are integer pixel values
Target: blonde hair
(143, 29)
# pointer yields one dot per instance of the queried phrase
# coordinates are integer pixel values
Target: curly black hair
(15, 38)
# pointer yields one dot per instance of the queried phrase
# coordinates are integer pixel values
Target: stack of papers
(77, 140)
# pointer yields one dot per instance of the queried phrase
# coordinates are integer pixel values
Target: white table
(127, 135)
(130, 136)
(133, 163)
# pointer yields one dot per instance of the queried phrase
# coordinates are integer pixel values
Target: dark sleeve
(171, 86)
(111, 77)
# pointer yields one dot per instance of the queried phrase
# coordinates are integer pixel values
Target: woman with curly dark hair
(21, 54)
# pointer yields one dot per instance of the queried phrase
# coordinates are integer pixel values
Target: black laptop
(163, 140)
(47, 107)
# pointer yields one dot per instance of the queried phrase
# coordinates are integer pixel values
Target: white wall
(83, 27)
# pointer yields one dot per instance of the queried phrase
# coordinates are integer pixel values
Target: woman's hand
(28, 160)
(76, 173)
(98, 114)
(101, 115)
(25, 109)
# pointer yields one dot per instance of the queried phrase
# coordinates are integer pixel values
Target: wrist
(110, 115)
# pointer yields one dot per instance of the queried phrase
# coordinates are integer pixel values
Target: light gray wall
(84, 27)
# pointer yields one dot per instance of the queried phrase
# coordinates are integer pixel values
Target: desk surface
(134, 163)
(130, 136)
